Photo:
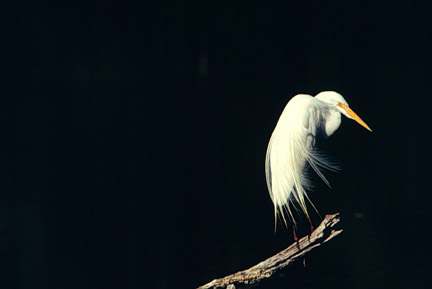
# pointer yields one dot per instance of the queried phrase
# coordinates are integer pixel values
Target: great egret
(292, 147)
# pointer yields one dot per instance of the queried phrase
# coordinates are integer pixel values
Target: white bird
(291, 149)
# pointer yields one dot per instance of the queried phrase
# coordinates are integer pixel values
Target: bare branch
(323, 233)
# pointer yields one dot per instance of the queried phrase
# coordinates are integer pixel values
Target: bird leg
(296, 239)
(312, 228)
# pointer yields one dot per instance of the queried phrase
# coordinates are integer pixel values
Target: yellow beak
(353, 115)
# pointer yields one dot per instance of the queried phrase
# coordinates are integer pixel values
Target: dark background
(134, 138)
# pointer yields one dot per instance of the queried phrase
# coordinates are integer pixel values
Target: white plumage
(292, 147)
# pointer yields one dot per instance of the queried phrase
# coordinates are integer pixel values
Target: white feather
(291, 149)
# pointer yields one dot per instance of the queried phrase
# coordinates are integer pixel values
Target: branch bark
(265, 269)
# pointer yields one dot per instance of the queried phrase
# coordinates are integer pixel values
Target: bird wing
(290, 150)
(287, 157)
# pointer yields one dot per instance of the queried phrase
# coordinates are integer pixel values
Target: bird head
(336, 100)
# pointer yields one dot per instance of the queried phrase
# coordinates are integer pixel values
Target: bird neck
(331, 121)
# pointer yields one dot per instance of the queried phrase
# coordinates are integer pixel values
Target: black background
(134, 138)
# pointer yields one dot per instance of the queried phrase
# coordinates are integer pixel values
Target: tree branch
(323, 233)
